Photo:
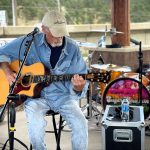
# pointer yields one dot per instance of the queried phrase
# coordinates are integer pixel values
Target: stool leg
(59, 133)
(54, 126)
(30, 146)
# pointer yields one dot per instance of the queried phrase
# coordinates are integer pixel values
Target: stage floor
(95, 141)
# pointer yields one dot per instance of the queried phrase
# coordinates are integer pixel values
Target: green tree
(76, 11)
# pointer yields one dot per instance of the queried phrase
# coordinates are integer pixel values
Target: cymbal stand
(93, 110)
(102, 40)
(90, 106)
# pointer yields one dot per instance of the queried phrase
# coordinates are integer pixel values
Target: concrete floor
(95, 136)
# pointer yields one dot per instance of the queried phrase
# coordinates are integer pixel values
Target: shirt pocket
(33, 59)
(63, 67)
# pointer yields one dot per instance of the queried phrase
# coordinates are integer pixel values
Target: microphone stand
(11, 102)
(140, 72)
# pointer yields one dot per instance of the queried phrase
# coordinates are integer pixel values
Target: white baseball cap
(56, 23)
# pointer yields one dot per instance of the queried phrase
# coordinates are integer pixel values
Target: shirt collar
(42, 41)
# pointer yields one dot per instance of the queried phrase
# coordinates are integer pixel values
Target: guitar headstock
(96, 76)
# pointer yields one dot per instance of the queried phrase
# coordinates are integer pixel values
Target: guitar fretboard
(93, 77)
(54, 78)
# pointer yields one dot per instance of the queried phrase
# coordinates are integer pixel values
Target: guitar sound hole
(26, 80)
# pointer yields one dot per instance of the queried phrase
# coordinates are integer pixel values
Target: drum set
(123, 84)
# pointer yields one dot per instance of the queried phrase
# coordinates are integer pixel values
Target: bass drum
(126, 88)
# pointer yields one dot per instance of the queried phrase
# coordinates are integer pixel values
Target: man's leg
(35, 112)
(76, 120)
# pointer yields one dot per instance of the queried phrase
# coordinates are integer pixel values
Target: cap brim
(59, 30)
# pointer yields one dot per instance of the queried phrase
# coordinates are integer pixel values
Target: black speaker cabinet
(120, 135)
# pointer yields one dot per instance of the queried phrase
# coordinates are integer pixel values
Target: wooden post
(121, 21)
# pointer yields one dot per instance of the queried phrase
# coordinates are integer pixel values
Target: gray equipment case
(119, 135)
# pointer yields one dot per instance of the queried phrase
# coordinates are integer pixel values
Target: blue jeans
(70, 111)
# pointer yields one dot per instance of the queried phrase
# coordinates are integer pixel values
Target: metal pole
(58, 3)
(14, 12)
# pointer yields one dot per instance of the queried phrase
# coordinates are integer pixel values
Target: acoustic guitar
(34, 78)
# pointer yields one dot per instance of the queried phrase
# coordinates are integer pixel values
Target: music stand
(13, 98)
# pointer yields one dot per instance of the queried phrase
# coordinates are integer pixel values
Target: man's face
(53, 41)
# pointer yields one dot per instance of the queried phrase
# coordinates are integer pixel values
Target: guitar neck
(93, 77)
(54, 78)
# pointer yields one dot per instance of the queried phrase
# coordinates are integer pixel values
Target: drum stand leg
(93, 111)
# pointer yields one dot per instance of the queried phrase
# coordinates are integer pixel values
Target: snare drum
(114, 75)
(126, 88)
(119, 71)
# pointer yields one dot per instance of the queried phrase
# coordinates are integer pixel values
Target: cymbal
(86, 44)
(111, 31)
(111, 67)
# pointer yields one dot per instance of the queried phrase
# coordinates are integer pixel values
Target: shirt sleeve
(81, 68)
(5, 58)
(10, 51)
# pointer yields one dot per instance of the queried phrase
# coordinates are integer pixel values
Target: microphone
(134, 41)
(35, 31)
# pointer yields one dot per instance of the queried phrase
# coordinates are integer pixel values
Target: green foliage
(140, 10)
(76, 11)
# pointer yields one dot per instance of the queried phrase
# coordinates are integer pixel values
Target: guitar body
(4, 88)
(32, 90)
(33, 80)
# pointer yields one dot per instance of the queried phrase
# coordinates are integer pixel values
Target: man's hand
(11, 76)
(78, 82)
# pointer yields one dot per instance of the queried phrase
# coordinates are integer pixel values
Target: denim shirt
(70, 62)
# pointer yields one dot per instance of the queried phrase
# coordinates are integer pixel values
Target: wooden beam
(121, 21)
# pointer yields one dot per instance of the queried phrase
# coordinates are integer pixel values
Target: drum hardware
(115, 72)
(102, 39)
(111, 67)
(93, 106)
(86, 44)
(112, 31)
(100, 60)
(92, 109)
